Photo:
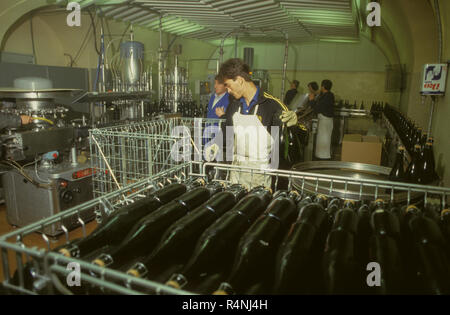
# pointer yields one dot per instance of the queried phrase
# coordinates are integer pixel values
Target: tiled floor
(36, 240)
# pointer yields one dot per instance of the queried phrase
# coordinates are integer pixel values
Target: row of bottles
(410, 134)
(420, 170)
(189, 108)
(374, 107)
(212, 239)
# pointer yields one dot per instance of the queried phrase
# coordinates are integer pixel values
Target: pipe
(222, 44)
(103, 84)
(235, 46)
(286, 52)
(176, 86)
(160, 65)
(439, 25)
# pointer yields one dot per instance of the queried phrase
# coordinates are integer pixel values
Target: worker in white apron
(252, 148)
(252, 114)
(323, 106)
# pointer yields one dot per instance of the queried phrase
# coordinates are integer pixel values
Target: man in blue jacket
(219, 101)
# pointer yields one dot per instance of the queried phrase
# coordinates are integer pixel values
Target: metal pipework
(176, 86)
(286, 52)
(103, 82)
(439, 25)
(73, 156)
(160, 62)
(222, 44)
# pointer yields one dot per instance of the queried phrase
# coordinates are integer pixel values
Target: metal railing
(124, 154)
(50, 266)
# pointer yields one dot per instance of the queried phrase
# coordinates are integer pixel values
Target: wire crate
(51, 266)
(125, 154)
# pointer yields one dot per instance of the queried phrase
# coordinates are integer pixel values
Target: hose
(44, 119)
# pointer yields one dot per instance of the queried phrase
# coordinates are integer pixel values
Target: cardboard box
(361, 149)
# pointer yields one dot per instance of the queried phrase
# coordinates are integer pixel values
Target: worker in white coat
(253, 115)
(323, 106)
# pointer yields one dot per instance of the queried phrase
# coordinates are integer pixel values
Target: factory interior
(115, 153)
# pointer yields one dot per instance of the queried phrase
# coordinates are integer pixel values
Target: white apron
(323, 138)
(252, 148)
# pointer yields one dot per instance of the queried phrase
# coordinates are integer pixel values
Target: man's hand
(211, 152)
(289, 118)
(311, 96)
(220, 111)
(26, 119)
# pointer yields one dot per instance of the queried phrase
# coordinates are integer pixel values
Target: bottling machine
(43, 172)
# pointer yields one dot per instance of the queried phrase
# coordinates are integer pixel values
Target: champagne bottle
(385, 223)
(384, 250)
(254, 258)
(397, 173)
(445, 227)
(339, 263)
(181, 236)
(413, 173)
(346, 218)
(295, 266)
(431, 266)
(145, 235)
(363, 235)
(115, 228)
(427, 166)
(215, 249)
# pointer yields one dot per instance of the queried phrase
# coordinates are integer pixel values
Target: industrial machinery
(123, 84)
(44, 170)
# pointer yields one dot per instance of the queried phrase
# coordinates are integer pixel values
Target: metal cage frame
(51, 264)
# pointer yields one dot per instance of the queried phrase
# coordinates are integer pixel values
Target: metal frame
(53, 264)
(128, 153)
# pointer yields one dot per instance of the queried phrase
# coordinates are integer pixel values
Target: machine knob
(66, 196)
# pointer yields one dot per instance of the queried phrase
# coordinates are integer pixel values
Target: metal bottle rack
(49, 265)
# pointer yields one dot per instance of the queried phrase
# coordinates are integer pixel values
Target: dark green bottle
(145, 234)
(116, 227)
(296, 271)
(255, 257)
(216, 247)
(397, 173)
(339, 263)
(180, 238)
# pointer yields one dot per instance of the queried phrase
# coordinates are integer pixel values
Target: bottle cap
(445, 211)
(220, 292)
(379, 200)
(134, 272)
(99, 262)
(295, 193)
(429, 143)
(173, 284)
(349, 201)
(417, 146)
(401, 148)
(65, 252)
(411, 207)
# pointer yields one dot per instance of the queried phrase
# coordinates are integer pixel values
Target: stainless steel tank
(132, 55)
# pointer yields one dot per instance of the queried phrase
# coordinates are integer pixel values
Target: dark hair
(313, 85)
(296, 83)
(232, 68)
(327, 84)
(219, 79)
